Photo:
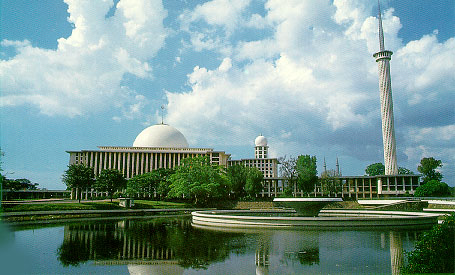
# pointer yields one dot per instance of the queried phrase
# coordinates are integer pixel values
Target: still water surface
(170, 245)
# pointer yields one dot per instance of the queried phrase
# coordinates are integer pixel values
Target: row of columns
(361, 187)
(130, 163)
(86, 193)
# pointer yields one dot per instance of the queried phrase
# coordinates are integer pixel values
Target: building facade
(163, 146)
(132, 161)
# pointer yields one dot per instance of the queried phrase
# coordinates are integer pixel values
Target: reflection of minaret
(262, 257)
(385, 88)
(396, 252)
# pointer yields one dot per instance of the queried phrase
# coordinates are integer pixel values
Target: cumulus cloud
(311, 85)
(211, 24)
(84, 74)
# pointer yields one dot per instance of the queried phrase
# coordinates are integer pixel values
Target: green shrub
(434, 251)
(433, 188)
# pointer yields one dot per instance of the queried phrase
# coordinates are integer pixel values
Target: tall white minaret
(338, 168)
(260, 148)
(325, 166)
(385, 88)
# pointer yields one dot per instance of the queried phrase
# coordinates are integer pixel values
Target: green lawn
(102, 205)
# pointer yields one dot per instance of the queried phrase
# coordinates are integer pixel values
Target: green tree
(142, 184)
(19, 184)
(289, 172)
(375, 169)
(110, 181)
(253, 184)
(428, 168)
(237, 177)
(156, 181)
(433, 188)
(78, 176)
(244, 180)
(378, 168)
(198, 180)
(162, 188)
(434, 251)
(307, 172)
(330, 182)
(404, 171)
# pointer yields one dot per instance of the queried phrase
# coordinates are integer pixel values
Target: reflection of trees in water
(304, 257)
(171, 239)
(300, 247)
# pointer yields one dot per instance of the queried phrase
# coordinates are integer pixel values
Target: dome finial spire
(162, 114)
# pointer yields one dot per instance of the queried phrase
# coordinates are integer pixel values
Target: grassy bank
(92, 205)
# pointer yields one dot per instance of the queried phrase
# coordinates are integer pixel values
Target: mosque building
(158, 146)
(163, 146)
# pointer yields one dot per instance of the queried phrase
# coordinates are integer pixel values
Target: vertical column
(110, 160)
(371, 188)
(128, 164)
(124, 168)
(95, 167)
(356, 190)
(148, 162)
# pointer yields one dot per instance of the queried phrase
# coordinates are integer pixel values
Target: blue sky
(80, 74)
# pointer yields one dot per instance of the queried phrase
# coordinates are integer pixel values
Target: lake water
(170, 245)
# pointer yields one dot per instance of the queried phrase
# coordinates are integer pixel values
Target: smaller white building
(268, 166)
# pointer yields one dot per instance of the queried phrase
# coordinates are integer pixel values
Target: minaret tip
(381, 33)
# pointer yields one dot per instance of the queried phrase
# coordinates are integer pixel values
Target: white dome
(161, 135)
(260, 141)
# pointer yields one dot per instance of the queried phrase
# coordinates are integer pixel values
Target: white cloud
(84, 74)
(224, 13)
(434, 142)
(432, 64)
(312, 85)
(211, 24)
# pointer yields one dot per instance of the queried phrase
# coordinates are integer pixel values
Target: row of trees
(378, 168)
(196, 179)
(80, 176)
(18, 184)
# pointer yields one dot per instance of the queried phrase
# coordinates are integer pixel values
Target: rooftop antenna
(162, 114)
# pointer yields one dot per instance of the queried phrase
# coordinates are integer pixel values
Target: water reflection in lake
(170, 245)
